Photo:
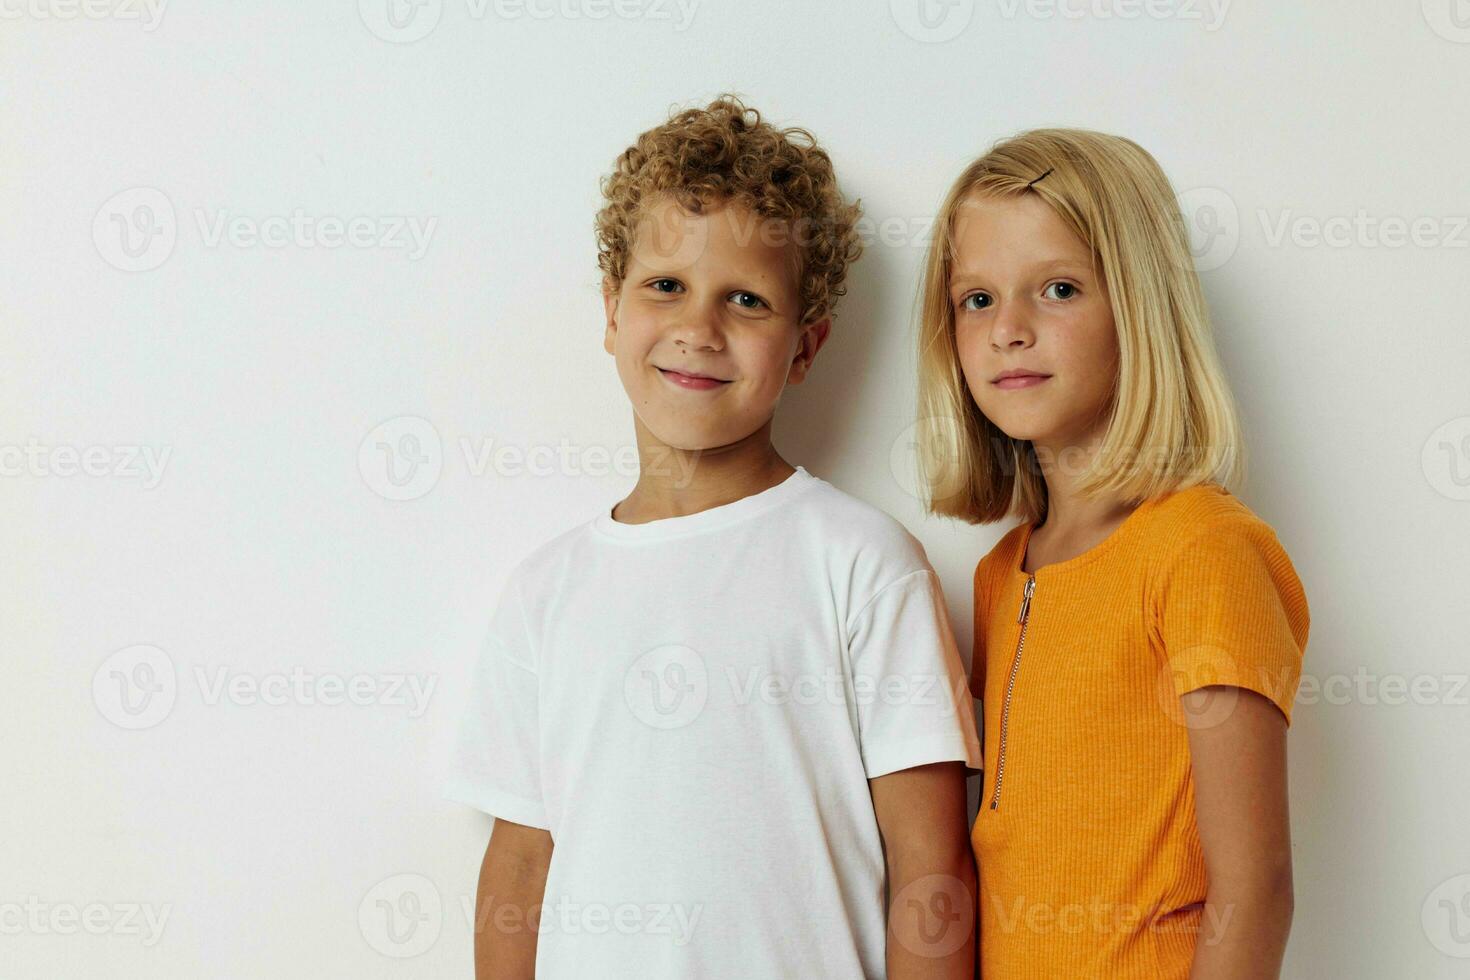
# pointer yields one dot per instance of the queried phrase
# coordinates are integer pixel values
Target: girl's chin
(1024, 429)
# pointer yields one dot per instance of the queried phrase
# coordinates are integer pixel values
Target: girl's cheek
(968, 343)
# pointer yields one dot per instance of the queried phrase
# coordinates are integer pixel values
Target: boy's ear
(813, 336)
(610, 293)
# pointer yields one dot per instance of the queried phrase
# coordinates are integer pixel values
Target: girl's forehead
(1015, 233)
(1011, 211)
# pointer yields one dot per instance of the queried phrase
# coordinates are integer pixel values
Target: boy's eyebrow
(741, 280)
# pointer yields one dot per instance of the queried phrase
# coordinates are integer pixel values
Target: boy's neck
(676, 483)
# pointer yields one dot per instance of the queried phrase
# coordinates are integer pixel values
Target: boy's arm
(1239, 765)
(923, 820)
(507, 905)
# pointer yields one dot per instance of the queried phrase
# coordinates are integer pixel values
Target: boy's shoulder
(845, 528)
(550, 559)
(848, 522)
(864, 550)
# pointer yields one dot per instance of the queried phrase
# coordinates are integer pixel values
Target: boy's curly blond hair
(725, 153)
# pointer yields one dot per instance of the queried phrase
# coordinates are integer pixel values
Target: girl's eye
(659, 284)
(749, 301)
(974, 302)
(1068, 290)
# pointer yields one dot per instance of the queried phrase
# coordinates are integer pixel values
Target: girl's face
(1025, 298)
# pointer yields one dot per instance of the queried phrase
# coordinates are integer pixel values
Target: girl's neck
(1073, 523)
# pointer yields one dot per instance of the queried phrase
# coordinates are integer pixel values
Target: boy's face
(1025, 296)
(713, 295)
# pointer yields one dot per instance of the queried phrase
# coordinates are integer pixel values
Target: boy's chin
(697, 439)
(686, 442)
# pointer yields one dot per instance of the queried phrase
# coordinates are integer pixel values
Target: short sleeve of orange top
(1088, 854)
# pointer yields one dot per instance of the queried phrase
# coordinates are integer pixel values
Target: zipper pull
(1026, 599)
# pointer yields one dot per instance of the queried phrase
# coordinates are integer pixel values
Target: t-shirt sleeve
(909, 682)
(1233, 613)
(494, 764)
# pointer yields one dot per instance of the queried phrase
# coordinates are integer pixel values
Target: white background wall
(302, 839)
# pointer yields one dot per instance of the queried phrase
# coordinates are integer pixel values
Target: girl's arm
(1237, 746)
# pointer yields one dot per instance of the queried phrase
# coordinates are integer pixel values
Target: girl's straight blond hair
(1172, 422)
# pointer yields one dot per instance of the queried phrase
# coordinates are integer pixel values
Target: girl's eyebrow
(1073, 264)
(1052, 265)
(1055, 265)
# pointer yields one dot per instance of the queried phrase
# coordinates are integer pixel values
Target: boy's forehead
(727, 233)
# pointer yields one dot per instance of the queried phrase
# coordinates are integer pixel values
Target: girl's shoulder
(1003, 554)
(1174, 526)
(1212, 549)
(1181, 518)
(1226, 604)
(1169, 516)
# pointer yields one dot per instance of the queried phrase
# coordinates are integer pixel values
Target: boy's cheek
(642, 314)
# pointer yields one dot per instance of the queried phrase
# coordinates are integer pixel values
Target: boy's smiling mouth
(692, 382)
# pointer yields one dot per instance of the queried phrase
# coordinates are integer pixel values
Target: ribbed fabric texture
(1089, 857)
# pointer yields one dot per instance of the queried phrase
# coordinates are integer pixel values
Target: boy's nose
(699, 327)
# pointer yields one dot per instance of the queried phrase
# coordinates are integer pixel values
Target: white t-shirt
(693, 707)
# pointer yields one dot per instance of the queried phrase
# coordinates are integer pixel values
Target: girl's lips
(690, 382)
(1028, 381)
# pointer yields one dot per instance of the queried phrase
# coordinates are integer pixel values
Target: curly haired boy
(722, 724)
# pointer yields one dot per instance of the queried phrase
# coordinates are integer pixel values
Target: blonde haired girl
(1139, 635)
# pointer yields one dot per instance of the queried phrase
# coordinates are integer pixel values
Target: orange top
(1086, 844)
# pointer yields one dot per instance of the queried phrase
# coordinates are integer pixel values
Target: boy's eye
(975, 301)
(749, 301)
(659, 284)
(1067, 290)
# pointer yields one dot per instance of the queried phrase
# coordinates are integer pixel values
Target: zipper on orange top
(1005, 714)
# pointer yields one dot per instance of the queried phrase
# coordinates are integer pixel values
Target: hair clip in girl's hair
(1034, 180)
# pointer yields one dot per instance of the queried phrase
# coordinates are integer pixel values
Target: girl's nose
(1010, 327)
